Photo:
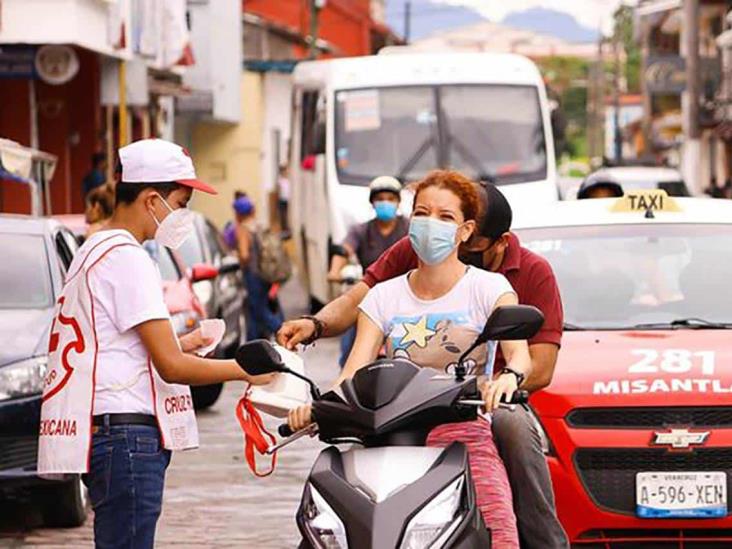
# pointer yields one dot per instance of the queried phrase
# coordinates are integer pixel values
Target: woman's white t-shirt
(126, 291)
(434, 333)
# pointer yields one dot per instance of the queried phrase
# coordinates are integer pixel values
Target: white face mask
(175, 229)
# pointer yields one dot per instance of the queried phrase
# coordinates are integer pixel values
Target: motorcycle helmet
(384, 183)
(599, 180)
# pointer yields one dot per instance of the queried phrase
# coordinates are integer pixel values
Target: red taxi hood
(643, 368)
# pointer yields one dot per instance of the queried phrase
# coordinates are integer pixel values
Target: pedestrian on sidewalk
(262, 307)
(99, 209)
(229, 231)
(97, 176)
(116, 399)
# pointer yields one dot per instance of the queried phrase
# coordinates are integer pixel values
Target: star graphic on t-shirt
(417, 333)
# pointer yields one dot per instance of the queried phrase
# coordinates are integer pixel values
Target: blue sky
(595, 14)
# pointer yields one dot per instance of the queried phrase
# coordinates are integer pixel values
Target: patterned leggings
(489, 476)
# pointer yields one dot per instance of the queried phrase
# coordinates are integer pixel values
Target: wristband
(519, 376)
(319, 329)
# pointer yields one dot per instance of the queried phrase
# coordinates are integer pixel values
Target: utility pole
(647, 122)
(591, 110)
(596, 137)
(315, 7)
(601, 91)
(407, 20)
(122, 76)
(692, 131)
(618, 137)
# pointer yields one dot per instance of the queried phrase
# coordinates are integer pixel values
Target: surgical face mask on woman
(175, 228)
(386, 210)
(433, 240)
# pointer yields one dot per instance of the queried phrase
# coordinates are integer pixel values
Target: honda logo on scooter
(680, 439)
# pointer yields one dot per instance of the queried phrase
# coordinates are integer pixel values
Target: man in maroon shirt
(518, 440)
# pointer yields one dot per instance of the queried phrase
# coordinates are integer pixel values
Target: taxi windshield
(640, 276)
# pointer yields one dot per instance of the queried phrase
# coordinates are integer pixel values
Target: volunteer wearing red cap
(116, 399)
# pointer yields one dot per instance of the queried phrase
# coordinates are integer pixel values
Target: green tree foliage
(566, 79)
(624, 33)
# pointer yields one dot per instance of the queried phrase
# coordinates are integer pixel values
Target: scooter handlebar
(519, 397)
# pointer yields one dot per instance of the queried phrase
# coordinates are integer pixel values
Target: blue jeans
(125, 483)
(262, 321)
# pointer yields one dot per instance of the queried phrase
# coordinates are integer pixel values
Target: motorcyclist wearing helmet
(599, 185)
(367, 241)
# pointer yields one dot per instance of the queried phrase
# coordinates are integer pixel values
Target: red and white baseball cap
(159, 161)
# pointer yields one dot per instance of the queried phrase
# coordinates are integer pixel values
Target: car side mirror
(203, 271)
(512, 322)
(229, 264)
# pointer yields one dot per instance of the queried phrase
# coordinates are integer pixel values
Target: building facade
(700, 147)
(61, 64)
(276, 35)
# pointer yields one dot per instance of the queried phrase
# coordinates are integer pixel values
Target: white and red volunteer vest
(64, 444)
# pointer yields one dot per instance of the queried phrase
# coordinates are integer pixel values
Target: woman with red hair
(431, 315)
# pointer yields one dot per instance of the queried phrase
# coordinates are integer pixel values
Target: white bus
(486, 115)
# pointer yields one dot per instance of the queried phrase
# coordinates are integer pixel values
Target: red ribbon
(254, 433)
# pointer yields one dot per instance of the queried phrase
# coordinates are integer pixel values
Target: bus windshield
(491, 132)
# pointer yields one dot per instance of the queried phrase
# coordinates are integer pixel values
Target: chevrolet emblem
(679, 439)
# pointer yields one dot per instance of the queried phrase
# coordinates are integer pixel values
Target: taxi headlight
(323, 525)
(23, 378)
(437, 520)
(546, 444)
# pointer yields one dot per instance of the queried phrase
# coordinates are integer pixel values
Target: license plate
(681, 494)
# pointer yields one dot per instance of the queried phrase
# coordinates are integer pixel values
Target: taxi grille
(642, 418)
(717, 538)
(18, 452)
(609, 474)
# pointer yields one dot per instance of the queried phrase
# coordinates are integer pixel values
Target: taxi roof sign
(645, 201)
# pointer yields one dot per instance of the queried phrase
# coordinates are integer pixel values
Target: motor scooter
(387, 489)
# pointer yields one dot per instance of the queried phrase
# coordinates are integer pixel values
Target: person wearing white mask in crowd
(116, 399)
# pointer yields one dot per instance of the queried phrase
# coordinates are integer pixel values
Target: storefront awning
(28, 166)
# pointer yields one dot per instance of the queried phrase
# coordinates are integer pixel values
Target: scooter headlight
(325, 529)
(437, 520)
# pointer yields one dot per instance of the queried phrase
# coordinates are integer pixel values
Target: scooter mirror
(258, 357)
(512, 322)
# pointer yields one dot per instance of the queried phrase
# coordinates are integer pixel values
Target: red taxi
(637, 422)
